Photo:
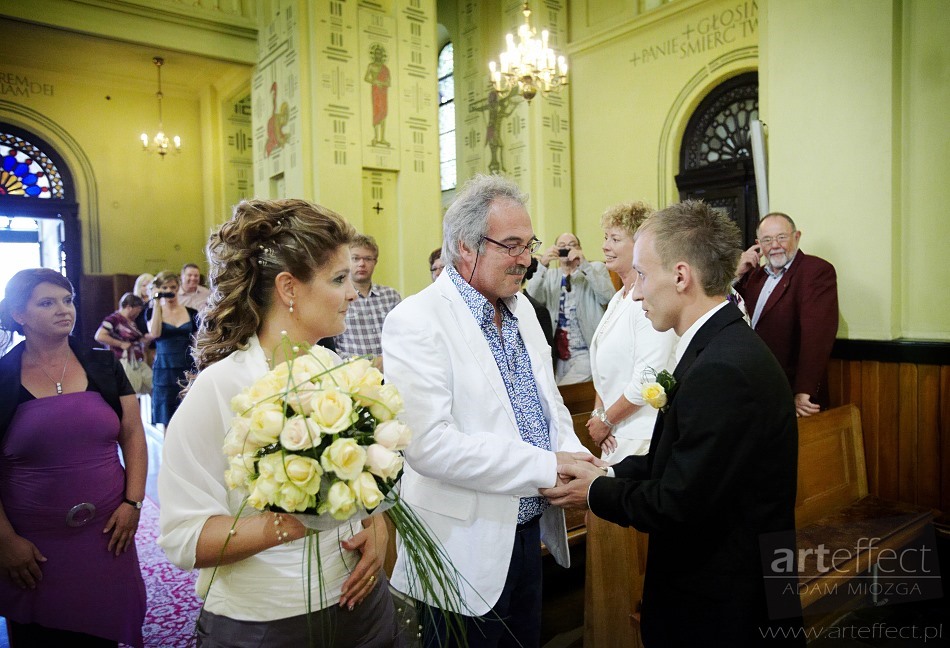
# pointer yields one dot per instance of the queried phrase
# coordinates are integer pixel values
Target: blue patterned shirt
(514, 365)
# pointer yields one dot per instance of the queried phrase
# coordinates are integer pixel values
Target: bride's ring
(372, 578)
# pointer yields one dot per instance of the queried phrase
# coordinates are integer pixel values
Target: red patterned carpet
(172, 603)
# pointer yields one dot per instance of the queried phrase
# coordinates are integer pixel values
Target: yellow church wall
(855, 102)
(633, 89)
(149, 215)
(90, 99)
(925, 141)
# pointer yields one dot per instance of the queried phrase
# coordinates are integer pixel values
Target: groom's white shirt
(467, 466)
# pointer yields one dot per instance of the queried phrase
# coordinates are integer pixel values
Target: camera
(165, 295)
(563, 252)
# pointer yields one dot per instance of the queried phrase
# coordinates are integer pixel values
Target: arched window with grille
(446, 70)
(716, 154)
(38, 212)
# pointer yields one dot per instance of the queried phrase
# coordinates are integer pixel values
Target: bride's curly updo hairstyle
(262, 239)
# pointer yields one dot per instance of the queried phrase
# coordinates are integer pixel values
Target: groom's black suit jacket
(721, 471)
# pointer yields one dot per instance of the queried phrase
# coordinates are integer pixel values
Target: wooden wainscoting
(99, 296)
(905, 415)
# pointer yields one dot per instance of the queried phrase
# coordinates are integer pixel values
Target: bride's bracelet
(282, 535)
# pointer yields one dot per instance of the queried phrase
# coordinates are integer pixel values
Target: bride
(278, 267)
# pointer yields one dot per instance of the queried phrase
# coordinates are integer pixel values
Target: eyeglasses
(357, 259)
(517, 250)
(781, 239)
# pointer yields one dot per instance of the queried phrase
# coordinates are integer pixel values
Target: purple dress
(59, 452)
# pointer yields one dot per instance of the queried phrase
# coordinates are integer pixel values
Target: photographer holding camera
(575, 292)
(173, 326)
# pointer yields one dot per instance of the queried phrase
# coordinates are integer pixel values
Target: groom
(721, 472)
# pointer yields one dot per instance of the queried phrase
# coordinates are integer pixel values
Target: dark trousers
(515, 620)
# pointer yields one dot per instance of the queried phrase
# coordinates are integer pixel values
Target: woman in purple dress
(69, 572)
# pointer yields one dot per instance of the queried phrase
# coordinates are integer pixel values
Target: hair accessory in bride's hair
(266, 256)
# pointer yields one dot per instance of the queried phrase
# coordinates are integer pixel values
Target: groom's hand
(574, 481)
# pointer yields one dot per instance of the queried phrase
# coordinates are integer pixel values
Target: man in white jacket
(489, 425)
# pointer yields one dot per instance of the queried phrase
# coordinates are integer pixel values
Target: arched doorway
(39, 223)
(716, 154)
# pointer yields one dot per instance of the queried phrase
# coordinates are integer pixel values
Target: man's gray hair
(466, 220)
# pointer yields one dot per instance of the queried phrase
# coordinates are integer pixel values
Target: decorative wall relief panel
(379, 88)
(336, 109)
(473, 117)
(418, 95)
(381, 220)
(239, 163)
(275, 89)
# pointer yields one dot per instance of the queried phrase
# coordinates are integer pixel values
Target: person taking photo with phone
(173, 327)
(576, 292)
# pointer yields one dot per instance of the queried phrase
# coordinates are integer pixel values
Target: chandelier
(161, 142)
(530, 66)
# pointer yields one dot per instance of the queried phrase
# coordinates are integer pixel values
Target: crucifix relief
(496, 109)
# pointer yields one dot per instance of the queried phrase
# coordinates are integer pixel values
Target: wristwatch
(601, 413)
(137, 505)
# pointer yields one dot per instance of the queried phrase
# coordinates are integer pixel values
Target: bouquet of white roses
(316, 437)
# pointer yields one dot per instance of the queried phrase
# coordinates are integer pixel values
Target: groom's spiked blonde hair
(702, 236)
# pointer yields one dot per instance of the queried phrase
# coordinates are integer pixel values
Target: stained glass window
(27, 171)
(446, 69)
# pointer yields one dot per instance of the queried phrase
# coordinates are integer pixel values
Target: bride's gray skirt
(371, 624)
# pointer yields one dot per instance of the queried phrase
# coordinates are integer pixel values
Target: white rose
(304, 473)
(271, 468)
(267, 390)
(394, 435)
(292, 499)
(267, 420)
(303, 368)
(238, 440)
(242, 404)
(300, 399)
(384, 403)
(345, 457)
(383, 462)
(366, 491)
(299, 433)
(332, 411)
(324, 357)
(239, 473)
(263, 493)
(355, 376)
(341, 503)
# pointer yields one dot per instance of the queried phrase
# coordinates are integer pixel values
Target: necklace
(59, 385)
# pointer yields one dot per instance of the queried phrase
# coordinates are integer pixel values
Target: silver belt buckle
(80, 514)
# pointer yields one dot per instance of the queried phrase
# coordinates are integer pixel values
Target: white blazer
(467, 467)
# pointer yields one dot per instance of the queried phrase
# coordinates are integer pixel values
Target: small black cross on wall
(378, 208)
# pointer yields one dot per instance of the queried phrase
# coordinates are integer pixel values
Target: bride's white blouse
(266, 586)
